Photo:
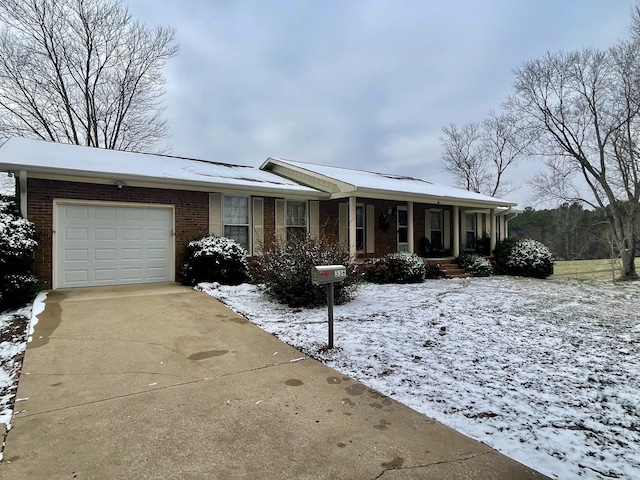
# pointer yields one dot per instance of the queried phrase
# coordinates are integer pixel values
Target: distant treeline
(569, 231)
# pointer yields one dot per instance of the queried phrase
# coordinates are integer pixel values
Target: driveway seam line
(128, 395)
(441, 462)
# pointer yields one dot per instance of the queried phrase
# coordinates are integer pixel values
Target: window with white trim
(436, 228)
(470, 229)
(296, 218)
(235, 218)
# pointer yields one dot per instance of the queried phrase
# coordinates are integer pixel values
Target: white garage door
(112, 245)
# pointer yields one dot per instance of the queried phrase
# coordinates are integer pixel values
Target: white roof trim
(379, 185)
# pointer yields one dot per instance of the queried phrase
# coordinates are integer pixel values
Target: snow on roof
(49, 157)
(382, 182)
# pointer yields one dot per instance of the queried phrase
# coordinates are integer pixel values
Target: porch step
(448, 268)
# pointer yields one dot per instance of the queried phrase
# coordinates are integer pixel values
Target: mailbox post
(328, 275)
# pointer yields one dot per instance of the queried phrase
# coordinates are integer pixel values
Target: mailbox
(328, 274)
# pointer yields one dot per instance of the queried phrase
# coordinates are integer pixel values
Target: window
(403, 229)
(236, 220)
(436, 228)
(470, 228)
(360, 230)
(296, 219)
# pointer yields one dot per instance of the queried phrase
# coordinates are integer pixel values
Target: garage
(108, 244)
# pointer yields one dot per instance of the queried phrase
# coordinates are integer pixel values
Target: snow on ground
(10, 347)
(13, 344)
(547, 372)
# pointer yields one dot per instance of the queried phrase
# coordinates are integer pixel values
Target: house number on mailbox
(329, 274)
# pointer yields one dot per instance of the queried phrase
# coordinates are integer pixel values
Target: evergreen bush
(431, 272)
(501, 254)
(475, 265)
(401, 267)
(524, 257)
(214, 259)
(285, 270)
(530, 258)
(17, 246)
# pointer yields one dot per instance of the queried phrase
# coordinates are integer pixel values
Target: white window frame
(468, 230)
(287, 226)
(402, 246)
(437, 213)
(244, 225)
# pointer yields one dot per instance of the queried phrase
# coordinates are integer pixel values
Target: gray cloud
(363, 84)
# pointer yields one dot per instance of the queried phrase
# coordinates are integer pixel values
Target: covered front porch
(373, 227)
(373, 214)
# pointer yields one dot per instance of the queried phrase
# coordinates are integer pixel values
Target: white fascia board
(430, 199)
(146, 182)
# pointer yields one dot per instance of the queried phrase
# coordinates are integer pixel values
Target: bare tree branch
(82, 72)
(477, 154)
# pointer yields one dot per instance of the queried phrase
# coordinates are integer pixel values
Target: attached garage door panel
(108, 245)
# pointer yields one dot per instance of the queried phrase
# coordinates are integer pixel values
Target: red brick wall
(269, 221)
(191, 212)
(329, 219)
(386, 241)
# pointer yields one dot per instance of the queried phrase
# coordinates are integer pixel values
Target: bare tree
(82, 72)
(584, 110)
(477, 154)
(463, 156)
(504, 143)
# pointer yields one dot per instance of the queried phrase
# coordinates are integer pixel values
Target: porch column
(492, 230)
(456, 231)
(410, 241)
(352, 228)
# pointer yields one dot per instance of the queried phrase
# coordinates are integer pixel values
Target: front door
(403, 229)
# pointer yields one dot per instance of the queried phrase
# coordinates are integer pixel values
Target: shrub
(401, 267)
(483, 245)
(475, 265)
(214, 259)
(17, 245)
(530, 258)
(431, 272)
(501, 254)
(285, 270)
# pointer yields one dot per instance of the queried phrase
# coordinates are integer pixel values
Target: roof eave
(169, 182)
(424, 198)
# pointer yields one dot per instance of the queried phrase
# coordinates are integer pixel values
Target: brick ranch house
(106, 217)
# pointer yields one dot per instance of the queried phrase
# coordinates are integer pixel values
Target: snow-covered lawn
(547, 372)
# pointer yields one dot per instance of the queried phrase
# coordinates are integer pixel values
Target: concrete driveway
(161, 381)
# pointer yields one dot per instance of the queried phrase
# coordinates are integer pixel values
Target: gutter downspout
(507, 219)
(22, 178)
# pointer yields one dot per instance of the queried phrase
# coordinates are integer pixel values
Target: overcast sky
(359, 84)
